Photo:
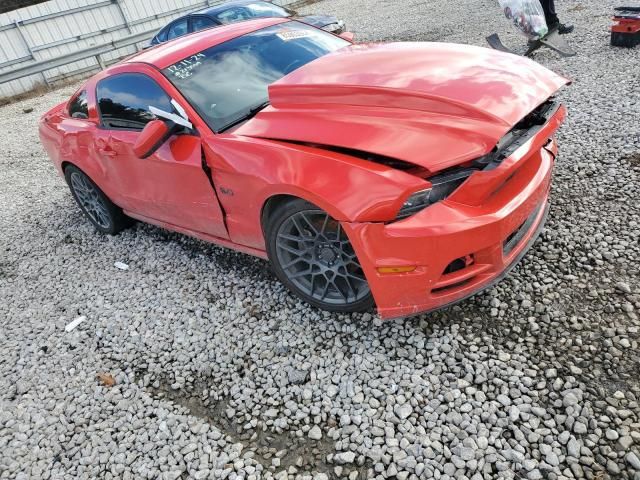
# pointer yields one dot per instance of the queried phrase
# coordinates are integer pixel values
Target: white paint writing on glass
(184, 68)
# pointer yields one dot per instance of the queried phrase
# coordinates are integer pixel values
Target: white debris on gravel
(121, 266)
(220, 373)
(74, 323)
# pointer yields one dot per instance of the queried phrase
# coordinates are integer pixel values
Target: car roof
(224, 6)
(173, 51)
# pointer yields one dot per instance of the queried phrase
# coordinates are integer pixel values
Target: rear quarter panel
(50, 135)
(72, 140)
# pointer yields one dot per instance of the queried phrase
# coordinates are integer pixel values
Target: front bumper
(464, 244)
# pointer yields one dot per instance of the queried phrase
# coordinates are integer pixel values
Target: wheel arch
(67, 163)
(275, 200)
(270, 205)
(94, 175)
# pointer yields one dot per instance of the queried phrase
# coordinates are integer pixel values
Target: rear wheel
(105, 216)
(313, 257)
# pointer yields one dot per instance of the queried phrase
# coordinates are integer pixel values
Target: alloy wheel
(317, 257)
(90, 200)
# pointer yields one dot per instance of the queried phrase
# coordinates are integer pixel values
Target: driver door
(169, 187)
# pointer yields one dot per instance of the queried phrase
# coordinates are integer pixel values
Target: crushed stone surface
(196, 363)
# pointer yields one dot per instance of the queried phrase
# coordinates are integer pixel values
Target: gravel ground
(210, 369)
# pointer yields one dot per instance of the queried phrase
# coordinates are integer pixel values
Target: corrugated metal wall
(60, 27)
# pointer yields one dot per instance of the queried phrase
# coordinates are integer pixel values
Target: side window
(178, 29)
(124, 100)
(160, 37)
(201, 22)
(233, 15)
(78, 107)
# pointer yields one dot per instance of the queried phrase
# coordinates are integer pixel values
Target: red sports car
(405, 175)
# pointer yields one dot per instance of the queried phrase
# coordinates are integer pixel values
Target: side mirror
(154, 134)
(349, 36)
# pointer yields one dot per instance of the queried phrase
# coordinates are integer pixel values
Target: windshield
(252, 10)
(228, 82)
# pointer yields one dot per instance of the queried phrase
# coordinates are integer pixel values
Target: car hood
(432, 104)
(318, 20)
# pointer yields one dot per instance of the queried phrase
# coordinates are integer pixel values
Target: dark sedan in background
(238, 11)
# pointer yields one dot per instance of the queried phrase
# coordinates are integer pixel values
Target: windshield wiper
(252, 112)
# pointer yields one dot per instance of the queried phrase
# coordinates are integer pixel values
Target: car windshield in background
(251, 10)
(228, 83)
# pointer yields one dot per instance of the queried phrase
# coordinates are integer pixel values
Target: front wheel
(313, 257)
(103, 214)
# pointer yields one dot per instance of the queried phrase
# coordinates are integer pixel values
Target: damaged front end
(446, 182)
(519, 134)
(433, 106)
(473, 237)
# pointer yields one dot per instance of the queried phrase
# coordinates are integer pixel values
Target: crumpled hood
(432, 104)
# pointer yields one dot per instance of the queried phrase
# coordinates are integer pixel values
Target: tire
(103, 214)
(312, 256)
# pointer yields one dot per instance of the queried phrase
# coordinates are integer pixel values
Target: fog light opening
(458, 264)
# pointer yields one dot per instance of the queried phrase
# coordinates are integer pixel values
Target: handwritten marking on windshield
(184, 68)
(287, 35)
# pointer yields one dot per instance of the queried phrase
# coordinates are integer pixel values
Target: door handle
(107, 151)
(104, 148)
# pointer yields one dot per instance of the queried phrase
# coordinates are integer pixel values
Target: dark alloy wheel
(105, 216)
(312, 255)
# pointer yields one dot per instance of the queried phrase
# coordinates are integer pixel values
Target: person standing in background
(553, 22)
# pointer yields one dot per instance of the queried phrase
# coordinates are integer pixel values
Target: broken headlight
(415, 203)
(442, 185)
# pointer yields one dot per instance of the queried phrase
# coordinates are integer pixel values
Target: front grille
(519, 135)
(519, 233)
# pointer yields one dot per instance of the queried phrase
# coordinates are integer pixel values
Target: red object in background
(356, 133)
(625, 32)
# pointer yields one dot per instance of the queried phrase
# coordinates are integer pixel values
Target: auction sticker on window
(287, 35)
(184, 68)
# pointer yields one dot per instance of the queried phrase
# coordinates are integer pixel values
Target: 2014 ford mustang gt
(405, 175)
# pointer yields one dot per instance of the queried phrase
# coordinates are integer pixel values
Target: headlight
(442, 185)
(415, 203)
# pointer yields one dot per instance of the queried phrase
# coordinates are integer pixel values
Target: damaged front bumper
(466, 243)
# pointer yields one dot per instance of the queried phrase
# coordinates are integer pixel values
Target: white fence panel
(58, 28)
